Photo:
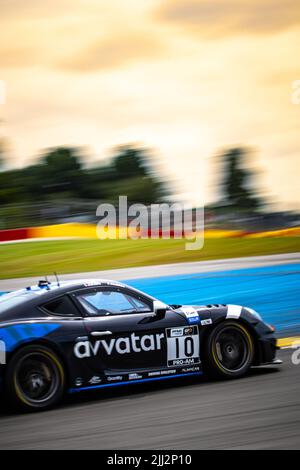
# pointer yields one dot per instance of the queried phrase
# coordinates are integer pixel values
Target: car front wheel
(229, 350)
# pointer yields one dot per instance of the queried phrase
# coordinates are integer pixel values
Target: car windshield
(112, 302)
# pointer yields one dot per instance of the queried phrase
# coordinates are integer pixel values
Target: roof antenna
(57, 280)
(47, 282)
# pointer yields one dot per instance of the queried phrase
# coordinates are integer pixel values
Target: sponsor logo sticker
(177, 332)
(207, 321)
(193, 320)
(191, 369)
(189, 312)
(161, 372)
(183, 350)
(233, 311)
(78, 382)
(188, 330)
(114, 378)
(95, 380)
(123, 345)
(134, 376)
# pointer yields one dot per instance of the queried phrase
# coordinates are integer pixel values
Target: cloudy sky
(186, 78)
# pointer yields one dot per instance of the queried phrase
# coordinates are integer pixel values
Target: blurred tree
(11, 182)
(3, 154)
(59, 175)
(60, 171)
(134, 175)
(239, 191)
(130, 162)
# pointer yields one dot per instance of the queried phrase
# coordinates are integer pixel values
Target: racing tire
(229, 351)
(35, 379)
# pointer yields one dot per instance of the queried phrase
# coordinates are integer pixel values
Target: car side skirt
(130, 382)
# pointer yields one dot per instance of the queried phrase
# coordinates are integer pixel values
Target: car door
(123, 332)
(62, 311)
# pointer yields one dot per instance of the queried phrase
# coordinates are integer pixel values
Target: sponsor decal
(188, 330)
(190, 369)
(114, 378)
(193, 320)
(113, 283)
(92, 283)
(182, 347)
(185, 362)
(167, 372)
(134, 376)
(177, 332)
(78, 382)
(207, 321)
(191, 314)
(123, 345)
(154, 374)
(234, 311)
(161, 372)
(95, 380)
(185, 349)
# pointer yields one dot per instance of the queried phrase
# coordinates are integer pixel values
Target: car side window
(111, 302)
(61, 306)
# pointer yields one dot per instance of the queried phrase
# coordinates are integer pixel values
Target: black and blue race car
(73, 336)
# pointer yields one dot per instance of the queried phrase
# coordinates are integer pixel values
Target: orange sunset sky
(185, 78)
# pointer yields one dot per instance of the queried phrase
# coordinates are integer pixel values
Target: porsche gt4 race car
(74, 336)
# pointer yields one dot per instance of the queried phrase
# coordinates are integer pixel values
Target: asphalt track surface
(260, 411)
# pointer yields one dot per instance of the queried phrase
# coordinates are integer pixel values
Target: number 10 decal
(183, 346)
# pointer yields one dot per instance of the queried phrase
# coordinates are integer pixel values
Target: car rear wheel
(35, 378)
(229, 350)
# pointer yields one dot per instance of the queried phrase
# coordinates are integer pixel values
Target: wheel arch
(249, 327)
(50, 345)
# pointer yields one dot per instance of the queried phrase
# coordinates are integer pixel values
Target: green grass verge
(69, 256)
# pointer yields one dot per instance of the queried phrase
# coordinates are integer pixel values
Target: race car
(72, 336)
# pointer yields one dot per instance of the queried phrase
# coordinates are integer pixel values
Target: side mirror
(159, 308)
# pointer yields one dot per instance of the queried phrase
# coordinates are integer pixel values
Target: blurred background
(161, 101)
(191, 101)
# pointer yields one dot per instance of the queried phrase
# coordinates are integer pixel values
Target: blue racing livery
(95, 333)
